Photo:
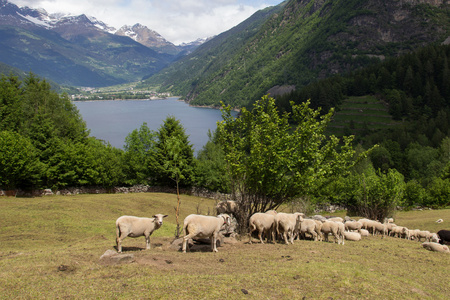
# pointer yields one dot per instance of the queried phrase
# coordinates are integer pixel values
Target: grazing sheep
(389, 227)
(439, 221)
(380, 228)
(336, 219)
(352, 236)
(353, 225)
(423, 234)
(203, 227)
(136, 227)
(287, 225)
(436, 247)
(364, 232)
(400, 231)
(226, 207)
(413, 234)
(444, 236)
(264, 223)
(311, 227)
(335, 228)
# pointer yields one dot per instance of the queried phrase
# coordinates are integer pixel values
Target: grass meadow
(51, 248)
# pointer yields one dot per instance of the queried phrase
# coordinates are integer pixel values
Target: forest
(276, 152)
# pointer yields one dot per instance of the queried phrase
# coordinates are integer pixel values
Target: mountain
(77, 50)
(298, 42)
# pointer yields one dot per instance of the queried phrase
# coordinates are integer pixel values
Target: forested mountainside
(299, 42)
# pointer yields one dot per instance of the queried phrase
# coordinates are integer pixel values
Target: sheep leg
(185, 242)
(285, 238)
(260, 236)
(119, 242)
(147, 242)
(214, 243)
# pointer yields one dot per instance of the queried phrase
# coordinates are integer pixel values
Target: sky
(178, 21)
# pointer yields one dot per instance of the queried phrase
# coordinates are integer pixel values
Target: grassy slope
(357, 112)
(40, 234)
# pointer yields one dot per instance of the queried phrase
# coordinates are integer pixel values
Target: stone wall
(118, 190)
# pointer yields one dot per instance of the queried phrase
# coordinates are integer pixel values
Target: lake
(113, 120)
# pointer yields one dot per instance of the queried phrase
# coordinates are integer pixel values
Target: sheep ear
(165, 216)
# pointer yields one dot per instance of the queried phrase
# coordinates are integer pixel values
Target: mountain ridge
(304, 41)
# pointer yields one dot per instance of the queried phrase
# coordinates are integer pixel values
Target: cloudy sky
(177, 21)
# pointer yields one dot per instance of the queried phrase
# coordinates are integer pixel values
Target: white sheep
(336, 219)
(311, 227)
(135, 227)
(439, 221)
(381, 228)
(263, 223)
(226, 207)
(353, 225)
(203, 227)
(287, 225)
(364, 232)
(335, 228)
(352, 236)
(436, 247)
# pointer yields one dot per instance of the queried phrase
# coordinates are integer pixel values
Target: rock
(112, 257)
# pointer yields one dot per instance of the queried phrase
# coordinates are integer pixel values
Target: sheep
(335, 228)
(439, 221)
(287, 225)
(389, 227)
(336, 219)
(135, 227)
(444, 236)
(436, 247)
(379, 227)
(413, 234)
(226, 207)
(203, 227)
(310, 226)
(264, 223)
(423, 234)
(364, 232)
(352, 236)
(353, 225)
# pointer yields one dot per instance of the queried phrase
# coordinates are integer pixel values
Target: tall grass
(50, 248)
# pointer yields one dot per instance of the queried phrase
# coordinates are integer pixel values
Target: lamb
(203, 227)
(335, 228)
(287, 225)
(436, 247)
(439, 221)
(135, 227)
(352, 236)
(310, 226)
(264, 223)
(226, 207)
(444, 236)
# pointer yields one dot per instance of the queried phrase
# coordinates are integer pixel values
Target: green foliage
(439, 190)
(211, 166)
(19, 162)
(174, 155)
(270, 163)
(139, 155)
(375, 195)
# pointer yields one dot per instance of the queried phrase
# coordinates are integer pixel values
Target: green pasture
(51, 248)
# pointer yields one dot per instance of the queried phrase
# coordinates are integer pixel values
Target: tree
(19, 164)
(174, 159)
(139, 155)
(269, 162)
(375, 195)
(211, 166)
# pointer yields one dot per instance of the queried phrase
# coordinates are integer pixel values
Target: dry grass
(50, 248)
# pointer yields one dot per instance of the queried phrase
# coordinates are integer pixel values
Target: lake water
(113, 120)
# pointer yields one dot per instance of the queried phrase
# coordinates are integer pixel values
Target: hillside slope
(298, 42)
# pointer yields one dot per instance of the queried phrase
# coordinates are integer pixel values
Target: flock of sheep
(271, 226)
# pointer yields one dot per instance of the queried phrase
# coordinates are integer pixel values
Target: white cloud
(176, 20)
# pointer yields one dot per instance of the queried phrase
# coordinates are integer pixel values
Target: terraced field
(357, 114)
